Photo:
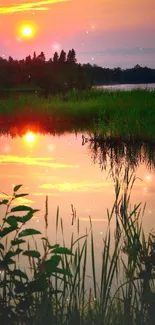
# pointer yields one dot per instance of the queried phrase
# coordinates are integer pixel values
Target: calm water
(129, 86)
(71, 173)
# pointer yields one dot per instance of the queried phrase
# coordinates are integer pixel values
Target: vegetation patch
(52, 288)
(119, 114)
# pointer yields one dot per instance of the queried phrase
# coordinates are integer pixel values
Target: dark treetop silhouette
(62, 73)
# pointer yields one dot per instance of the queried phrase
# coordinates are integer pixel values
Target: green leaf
(20, 273)
(62, 271)
(38, 285)
(11, 253)
(32, 253)
(21, 208)
(51, 265)
(29, 216)
(5, 202)
(18, 219)
(17, 187)
(54, 246)
(1, 246)
(20, 287)
(62, 250)
(29, 232)
(24, 304)
(4, 264)
(20, 195)
(17, 242)
(12, 221)
(6, 231)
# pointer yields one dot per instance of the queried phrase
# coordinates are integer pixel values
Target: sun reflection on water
(30, 137)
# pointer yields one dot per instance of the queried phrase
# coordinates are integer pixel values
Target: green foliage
(61, 250)
(120, 115)
(17, 187)
(21, 208)
(29, 232)
(17, 242)
(32, 253)
(22, 293)
(4, 202)
(51, 288)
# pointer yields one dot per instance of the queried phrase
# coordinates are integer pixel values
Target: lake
(128, 86)
(70, 171)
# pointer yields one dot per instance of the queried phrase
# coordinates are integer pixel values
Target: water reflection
(113, 152)
(60, 167)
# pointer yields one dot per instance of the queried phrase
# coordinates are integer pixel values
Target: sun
(30, 137)
(27, 31)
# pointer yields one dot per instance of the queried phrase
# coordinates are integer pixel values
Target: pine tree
(71, 56)
(10, 60)
(28, 59)
(62, 58)
(55, 57)
(34, 56)
(41, 57)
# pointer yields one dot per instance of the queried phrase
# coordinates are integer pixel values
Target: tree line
(62, 73)
(59, 73)
(106, 76)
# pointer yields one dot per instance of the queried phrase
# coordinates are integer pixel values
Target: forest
(62, 72)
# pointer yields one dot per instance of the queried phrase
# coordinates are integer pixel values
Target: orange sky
(93, 27)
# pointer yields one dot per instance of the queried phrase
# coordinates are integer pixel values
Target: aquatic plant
(54, 288)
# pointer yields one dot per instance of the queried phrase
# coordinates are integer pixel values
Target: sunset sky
(108, 33)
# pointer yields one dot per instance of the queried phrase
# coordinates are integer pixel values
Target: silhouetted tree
(71, 56)
(28, 59)
(55, 57)
(34, 55)
(10, 60)
(41, 57)
(62, 58)
(61, 74)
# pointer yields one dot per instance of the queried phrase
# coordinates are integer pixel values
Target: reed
(53, 288)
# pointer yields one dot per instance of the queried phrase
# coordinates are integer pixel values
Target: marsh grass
(56, 292)
(116, 113)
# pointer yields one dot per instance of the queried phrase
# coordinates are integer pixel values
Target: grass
(54, 291)
(119, 114)
(108, 151)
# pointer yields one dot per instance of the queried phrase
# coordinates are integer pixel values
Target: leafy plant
(22, 293)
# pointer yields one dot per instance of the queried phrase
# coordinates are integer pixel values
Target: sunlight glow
(30, 137)
(27, 31)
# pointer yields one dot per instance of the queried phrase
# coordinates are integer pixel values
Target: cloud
(20, 201)
(23, 201)
(39, 5)
(77, 187)
(82, 186)
(44, 194)
(43, 161)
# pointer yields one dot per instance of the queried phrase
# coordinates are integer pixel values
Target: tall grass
(112, 152)
(56, 290)
(117, 113)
